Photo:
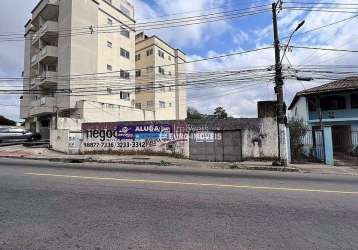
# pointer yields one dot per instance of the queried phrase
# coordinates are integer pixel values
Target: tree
(193, 114)
(298, 130)
(6, 122)
(220, 113)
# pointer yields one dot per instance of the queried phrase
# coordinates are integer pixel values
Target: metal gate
(216, 146)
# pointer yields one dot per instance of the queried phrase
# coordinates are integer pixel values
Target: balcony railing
(49, 30)
(43, 105)
(35, 37)
(48, 53)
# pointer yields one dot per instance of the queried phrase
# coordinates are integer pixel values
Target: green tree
(193, 114)
(298, 130)
(6, 122)
(220, 113)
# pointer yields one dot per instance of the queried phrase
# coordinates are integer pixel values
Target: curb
(152, 163)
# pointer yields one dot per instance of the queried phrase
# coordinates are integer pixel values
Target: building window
(161, 70)
(109, 67)
(124, 74)
(124, 10)
(137, 57)
(138, 105)
(312, 104)
(354, 101)
(124, 95)
(170, 73)
(169, 58)
(149, 52)
(124, 32)
(109, 22)
(170, 104)
(333, 103)
(161, 53)
(150, 104)
(109, 91)
(138, 73)
(125, 53)
(161, 104)
(109, 44)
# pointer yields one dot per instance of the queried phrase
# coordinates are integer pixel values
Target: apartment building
(160, 78)
(71, 48)
(80, 61)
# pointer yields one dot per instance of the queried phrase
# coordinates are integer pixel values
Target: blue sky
(210, 39)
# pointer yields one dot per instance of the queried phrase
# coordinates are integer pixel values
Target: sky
(214, 39)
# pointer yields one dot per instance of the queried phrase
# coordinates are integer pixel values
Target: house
(334, 104)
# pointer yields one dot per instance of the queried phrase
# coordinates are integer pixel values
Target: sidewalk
(21, 152)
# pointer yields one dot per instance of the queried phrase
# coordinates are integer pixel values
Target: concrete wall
(169, 138)
(59, 140)
(300, 110)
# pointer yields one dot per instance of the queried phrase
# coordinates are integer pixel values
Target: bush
(298, 130)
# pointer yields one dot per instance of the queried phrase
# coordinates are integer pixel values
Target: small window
(109, 44)
(109, 90)
(354, 101)
(170, 104)
(109, 21)
(109, 67)
(161, 70)
(150, 104)
(137, 57)
(169, 58)
(161, 53)
(124, 32)
(138, 106)
(169, 73)
(124, 10)
(125, 53)
(124, 95)
(161, 104)
(124, 74)
(312, 104)
(138, 73)
(149, 52)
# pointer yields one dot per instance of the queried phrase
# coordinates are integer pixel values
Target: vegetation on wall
(298, 130)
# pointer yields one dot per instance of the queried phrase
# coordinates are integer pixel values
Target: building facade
(160, 78)
(334, 104)
(78, 51)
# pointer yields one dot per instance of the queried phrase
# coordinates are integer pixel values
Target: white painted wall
(59, 140)
(300, 110)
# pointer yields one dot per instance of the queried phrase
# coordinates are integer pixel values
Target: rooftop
(350, 83)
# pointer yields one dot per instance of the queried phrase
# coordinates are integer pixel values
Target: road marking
(194, 184)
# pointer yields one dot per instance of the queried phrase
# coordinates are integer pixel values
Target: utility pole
(281, 109)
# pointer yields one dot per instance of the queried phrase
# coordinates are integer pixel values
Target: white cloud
(192, 36)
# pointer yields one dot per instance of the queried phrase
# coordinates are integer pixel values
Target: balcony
(49, 31)
(48, 79)
(45, 105)
(48, 9)
(48, 55)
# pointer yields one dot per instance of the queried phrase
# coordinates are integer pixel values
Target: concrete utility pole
(281, 109)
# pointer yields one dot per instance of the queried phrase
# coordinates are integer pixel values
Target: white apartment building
(160, 78)
(80, 62)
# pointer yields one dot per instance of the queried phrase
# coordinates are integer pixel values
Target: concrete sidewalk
(21, 152)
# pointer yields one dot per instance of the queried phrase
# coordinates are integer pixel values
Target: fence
(308, 148)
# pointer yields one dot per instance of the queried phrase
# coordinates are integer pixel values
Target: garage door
(216, 146)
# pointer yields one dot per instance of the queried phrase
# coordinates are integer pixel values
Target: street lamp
(289, 40)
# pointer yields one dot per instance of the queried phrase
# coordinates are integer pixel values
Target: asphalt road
(58, 206)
